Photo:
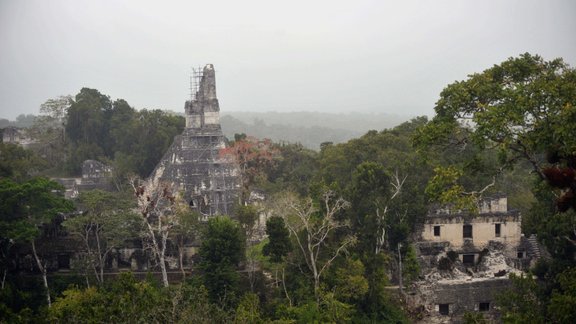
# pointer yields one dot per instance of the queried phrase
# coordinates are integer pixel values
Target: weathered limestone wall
(494, 205)
(466, 296)
(204, 109)
(17, 136)
(483, 230)
(457, 298)
(207, 89)
(193, 121)
(211, 118)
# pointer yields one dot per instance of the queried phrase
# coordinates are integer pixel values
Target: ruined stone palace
(193, 165)
(466, 259)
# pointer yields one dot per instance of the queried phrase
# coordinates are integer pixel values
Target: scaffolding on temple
(193, 165)
(195, 79)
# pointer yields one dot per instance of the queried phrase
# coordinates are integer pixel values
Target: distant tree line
(92, 126)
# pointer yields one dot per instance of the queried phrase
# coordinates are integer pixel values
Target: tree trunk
(4, 278)
(251, 274)
(286, 291)
(181, 257)
(90, 254)
(43, 271)
(159, 251)
(315, 272)
(101, 261)
(400, 283)
(163, 261)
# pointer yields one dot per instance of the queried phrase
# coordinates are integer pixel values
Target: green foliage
(562, 307)
(350, 284)
(474, 318)
(367, 171)
(410, 266)
(554, 229)
(521, 303)
(105, 223)
(127, 300)
(279, 244)
(27, 206)
(19, 300)
(306, 313)
(370, 194)
(517, 110)
(444, 188)
(294, 170)
(247, 216)
(222, 249)
(17, 163)
(99, 129)
(191, 304)
(49, 132)
(248, 311)
(334, 310)
(80, 305)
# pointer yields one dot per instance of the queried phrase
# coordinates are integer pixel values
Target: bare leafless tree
(312, 226)
(157, 206)
(396, 182)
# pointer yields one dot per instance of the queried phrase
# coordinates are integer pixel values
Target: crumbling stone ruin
(18, 136)
(95, 175)
(193, 166)
(466, 259)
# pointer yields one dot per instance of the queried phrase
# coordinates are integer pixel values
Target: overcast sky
(329, 56)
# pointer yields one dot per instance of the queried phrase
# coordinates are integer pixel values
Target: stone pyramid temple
(193, 166)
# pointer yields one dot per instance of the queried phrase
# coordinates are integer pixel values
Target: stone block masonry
(193, 166)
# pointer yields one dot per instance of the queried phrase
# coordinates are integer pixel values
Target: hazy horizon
(325, 56)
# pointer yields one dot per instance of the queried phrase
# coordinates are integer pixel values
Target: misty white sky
(329, 56)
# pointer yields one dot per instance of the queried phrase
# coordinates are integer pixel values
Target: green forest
(339, 218)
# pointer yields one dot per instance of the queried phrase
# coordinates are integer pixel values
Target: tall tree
(24, 210)
(187, 231)
(86, 127)
(223, 247)
(18, 163)
(278, 247)
(105, 223)
(279, 244)
(253, 156)
(519, 109)
(49, 130)
(158, 210)
(312, 224)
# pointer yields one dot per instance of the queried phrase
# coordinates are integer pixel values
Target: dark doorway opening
(444, 309)
(468, 259)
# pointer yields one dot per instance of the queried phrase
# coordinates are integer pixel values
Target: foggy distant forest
(307, 128)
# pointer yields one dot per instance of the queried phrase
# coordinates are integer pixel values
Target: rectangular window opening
(467, 231)
(484, 307)
(444, 309)
(497, 228)
(520, 255)
(468, 259)
(436, 230)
